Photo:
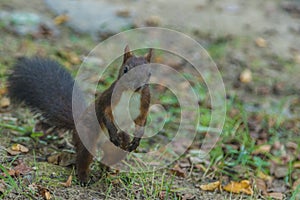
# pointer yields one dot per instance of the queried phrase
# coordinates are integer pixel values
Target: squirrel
(46, 88)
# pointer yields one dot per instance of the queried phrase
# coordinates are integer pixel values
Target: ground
(255, 46)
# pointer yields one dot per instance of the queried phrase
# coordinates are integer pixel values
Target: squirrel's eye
(125, 70)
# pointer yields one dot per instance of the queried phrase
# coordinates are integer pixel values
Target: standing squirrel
(46, 88)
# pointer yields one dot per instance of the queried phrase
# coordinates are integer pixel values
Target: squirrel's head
(134, 70)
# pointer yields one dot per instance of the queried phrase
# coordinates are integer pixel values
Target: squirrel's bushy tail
(46, 88)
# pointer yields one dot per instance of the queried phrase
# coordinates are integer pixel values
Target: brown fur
(119, 144)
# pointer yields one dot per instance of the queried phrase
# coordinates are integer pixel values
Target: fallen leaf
(153, 21)
(177, 171)
(262, 149)
(68, 183)
(184, 164)
(297, 165)
(3, 91)
(281, 171)
(188, 197)
(20, 148)
(201, 167)
(296, 184)
(12, 153)
(63, 159)
(246, 76)
(211, 186)
(261, 185)
(22, 168)
(275, 195)
(292, 145)
(12, 172)
(4, 102)
(44, 192)
(54, 159)
(123, 13)
(239, 187)
(61, 19)
(261, 42)
(264, 176)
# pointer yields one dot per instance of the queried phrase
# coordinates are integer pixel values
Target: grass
(231, 159)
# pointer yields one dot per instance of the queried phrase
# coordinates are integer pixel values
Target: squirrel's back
(47, 88)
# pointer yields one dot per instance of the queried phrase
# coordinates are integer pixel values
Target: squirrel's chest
(127, 109)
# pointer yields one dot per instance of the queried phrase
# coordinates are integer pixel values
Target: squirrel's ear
(127, 53)
(148, 56)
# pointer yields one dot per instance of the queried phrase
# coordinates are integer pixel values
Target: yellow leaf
(3, 91)
(4, 102)
(261, 42)
(239, 187)
(262, 149)
(47, 195)
(246, 76)
(19, 148)
(210, 186)
(61, 19)
(264, 177)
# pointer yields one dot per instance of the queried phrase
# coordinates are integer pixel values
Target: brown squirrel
(46, 88)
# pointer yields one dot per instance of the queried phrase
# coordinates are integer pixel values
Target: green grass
(231, 157)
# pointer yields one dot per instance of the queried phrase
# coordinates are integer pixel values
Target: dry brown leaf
(297, 165)
(3, 91)
(211, 186)
(201, 167)
(261, 42)
(188, 196)
(281, 171)
(153, 21)
(12, 153)
(44, 192)
(12, 172)
(177, 171)
(68, 183)
(261, 185)
(4, 102)
(62, 159)
(239, 187)
(246, 76)
(123, 13)
(61, 19)
(54, 159)
(275, 195)
(22, 168)
(262, 149)
(296, 184)
(20, 148)
(292, 145)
